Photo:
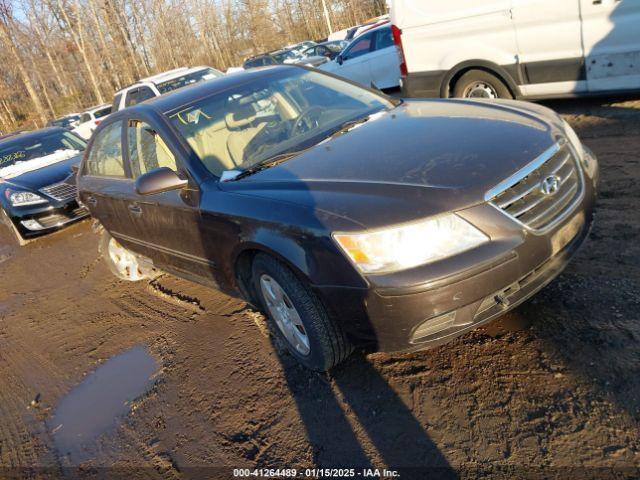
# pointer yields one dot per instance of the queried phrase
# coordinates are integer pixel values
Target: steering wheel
(309, 118)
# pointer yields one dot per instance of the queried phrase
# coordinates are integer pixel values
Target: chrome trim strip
(523, 172)
(169, 251)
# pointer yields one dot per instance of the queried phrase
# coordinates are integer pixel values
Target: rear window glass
(189, 79)
(102, 113)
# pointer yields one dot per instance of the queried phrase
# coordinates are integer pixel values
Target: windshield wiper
(346, 126)
(271, 162)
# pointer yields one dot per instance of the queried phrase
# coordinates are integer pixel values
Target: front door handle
(135, 209)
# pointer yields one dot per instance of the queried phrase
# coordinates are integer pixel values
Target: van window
(147, 150)
(105, 157)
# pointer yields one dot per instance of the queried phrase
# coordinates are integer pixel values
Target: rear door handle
(92, 201)
(135, 209)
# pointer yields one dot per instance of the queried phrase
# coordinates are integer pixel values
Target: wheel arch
(460, 69)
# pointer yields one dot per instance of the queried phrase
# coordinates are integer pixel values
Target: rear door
(355, 62)
(550, 52)
(383, 61)
(610, 29)
(105, 182)
(168, 222)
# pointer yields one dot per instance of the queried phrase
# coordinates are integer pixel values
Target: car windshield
(284, 55)
(65, 122)
(21, 149)
(286, 111)
(188, 79)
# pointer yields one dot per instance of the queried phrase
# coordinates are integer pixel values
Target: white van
(517, 48)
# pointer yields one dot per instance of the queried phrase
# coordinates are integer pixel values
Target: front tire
(480, 84)
(123, 264)
(297, 317)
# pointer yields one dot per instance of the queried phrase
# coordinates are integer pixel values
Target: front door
(168, 222)
(612, 44)
(355, 60)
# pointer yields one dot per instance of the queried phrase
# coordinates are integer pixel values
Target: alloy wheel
(284, 314)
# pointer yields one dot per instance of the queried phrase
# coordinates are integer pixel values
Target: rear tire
(123, 264)
(480, 84)
(297, 317)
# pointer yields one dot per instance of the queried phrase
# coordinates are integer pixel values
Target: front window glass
(360, 47)
(188, 79)
(276, 114)
(147, 150)
(54, 145)
(105, 157)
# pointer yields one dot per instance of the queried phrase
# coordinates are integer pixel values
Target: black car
(68, 121)
(274, 57)
(34, 196)
(350, 218)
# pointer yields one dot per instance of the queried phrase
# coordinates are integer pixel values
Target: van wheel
(123, 264)
(297, 317)
(480, 84)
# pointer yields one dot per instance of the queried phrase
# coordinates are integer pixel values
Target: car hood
(50, 174)
(420, 159)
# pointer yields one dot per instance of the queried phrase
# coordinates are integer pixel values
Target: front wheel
(123, 264)
(297, 316)
(480, 84)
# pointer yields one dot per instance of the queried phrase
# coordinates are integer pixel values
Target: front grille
(60, 191)
(526, 199)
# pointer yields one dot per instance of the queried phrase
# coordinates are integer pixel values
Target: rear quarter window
(105, 156)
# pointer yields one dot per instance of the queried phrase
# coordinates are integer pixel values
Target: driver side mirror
(159, 180)
(340, 59)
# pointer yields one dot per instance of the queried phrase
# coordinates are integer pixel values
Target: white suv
(517, 48)
(162, 83)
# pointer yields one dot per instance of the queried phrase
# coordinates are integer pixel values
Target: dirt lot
(553, 386)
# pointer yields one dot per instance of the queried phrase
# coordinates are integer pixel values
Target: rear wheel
(480, 84)
(123, 263)
(297, 316)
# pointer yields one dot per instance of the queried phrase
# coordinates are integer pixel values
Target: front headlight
(21, 199)
(574, 140)
(406, 246)
(589, 163)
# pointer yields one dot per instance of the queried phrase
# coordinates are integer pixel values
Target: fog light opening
(434, 325)
(31, 224)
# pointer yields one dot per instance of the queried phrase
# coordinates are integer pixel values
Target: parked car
(90, 119)
(371, 60)
(69, 121)
(34, 197)
(298, 48)
(349, 217)
(160, 84)
(275, 57)
(517, 48)
(328, 50)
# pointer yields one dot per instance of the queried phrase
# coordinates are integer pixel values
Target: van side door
(550, 54)
(612, 44)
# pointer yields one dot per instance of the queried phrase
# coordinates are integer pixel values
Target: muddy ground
(552, 388)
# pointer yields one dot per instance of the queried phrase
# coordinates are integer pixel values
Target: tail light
(98, 122)
(397, 40)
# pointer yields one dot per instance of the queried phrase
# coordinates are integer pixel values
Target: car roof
(164, 76)
(174, 100)
(29, 134)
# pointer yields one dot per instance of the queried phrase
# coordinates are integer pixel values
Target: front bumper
(38, 220)
(416, 310)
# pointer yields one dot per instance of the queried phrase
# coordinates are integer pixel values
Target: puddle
(94, 407)
(510, 322)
